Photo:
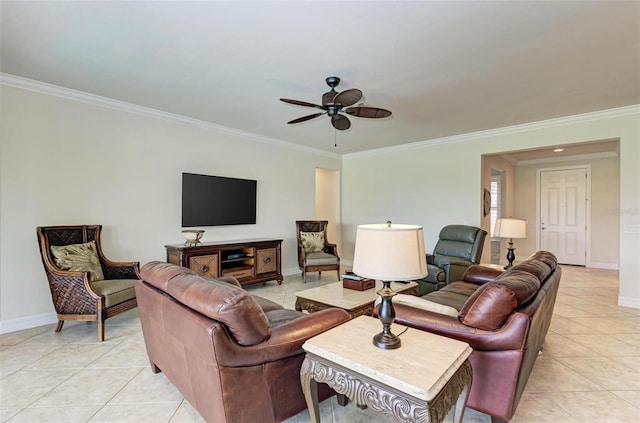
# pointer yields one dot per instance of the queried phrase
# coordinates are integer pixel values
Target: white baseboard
(631, 302)
(602, 265)
(27, 322)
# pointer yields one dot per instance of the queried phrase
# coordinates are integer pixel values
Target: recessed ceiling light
(557, 150)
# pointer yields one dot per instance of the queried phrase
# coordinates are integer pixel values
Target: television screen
(216, 200)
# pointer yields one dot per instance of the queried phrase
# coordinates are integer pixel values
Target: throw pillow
(79, 258)
(312, 242)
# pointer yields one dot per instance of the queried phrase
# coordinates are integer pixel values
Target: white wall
(439, 182)
(328, 204)
(69, 162)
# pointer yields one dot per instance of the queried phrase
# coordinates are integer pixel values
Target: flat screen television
(217, 200)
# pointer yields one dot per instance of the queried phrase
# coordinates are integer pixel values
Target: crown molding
(84, 97)
(587, 156)
(507, 130)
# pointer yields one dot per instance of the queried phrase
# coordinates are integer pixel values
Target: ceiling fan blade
(300, 103)
(348, 97)
(368, 112)
(305, 118)
(340, 122)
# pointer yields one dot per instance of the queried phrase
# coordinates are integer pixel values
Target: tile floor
(589, 371)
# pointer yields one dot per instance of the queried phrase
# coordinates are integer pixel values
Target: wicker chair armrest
(66, 281)
(120, 270)
(331, 249)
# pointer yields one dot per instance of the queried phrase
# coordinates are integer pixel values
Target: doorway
(328, 203)
(563, 209)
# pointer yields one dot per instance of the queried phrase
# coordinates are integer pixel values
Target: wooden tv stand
(249, 261)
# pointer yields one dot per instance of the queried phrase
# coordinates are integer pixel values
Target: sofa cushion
(228, 304)
(453, 295)
(423, 303)
(492, 303)
(321, 259)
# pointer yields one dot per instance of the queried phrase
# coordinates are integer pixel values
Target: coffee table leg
(310, 390)
(458, 413)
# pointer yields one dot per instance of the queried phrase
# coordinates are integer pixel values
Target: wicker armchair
(74, 295)
(326, 258)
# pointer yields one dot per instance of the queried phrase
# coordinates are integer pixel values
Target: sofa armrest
(453, 261)
(285, 341)
(481, 274)
(511, 336)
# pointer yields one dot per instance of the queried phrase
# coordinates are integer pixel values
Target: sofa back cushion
(223, 302)
(492, 303)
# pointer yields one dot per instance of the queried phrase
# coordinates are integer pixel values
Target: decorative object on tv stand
(510, 228)
(193, 236)
(389, 252)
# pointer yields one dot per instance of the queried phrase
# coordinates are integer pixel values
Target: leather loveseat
(503, 316)
(235, 357)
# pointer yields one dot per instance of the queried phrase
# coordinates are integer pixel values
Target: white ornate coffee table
(418, 382)
(357, 303)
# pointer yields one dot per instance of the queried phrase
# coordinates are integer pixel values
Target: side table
(418, 382)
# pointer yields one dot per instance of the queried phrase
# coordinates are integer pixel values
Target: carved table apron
(365, 391)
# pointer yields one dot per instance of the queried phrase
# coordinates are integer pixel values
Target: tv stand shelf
(249, 261)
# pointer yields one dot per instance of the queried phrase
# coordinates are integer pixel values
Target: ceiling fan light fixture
(334, 102)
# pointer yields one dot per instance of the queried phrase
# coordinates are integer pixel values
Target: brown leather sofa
(235, 357)
(504, 316)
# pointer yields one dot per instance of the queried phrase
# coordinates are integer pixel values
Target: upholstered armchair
(458, 247)
(315, 253)
(85, 285)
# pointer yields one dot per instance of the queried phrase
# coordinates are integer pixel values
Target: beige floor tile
(570, 311)
(125, 354)
(597, 407)
(606, 345)
(550, 375)
(605, 325)
(559, 346)
(604, 371)
(56, 414)
(540, 408)
(88, 387)
(632, 397)
(629, 338)
(6, 414)
(22, 388)
(186, 414)
(564, 325)
(136, 413)
(15, 338)
(16, 357)
(147, 387)
(632, 363)
(71, 356)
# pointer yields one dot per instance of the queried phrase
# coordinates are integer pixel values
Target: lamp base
(386, 341)
(511, 256)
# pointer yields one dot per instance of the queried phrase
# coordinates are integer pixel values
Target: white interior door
(563, 214)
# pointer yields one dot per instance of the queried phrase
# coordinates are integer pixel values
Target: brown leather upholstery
(505, 321)
(234, 356)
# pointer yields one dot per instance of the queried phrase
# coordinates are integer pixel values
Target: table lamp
(389, 252)
(510, 228)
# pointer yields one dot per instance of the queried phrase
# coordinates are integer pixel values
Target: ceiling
(443, 68)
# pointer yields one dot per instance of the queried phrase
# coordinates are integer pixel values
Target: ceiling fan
(334, 103)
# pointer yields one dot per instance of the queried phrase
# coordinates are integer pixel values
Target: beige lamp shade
(390, 252)
(510, 228)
